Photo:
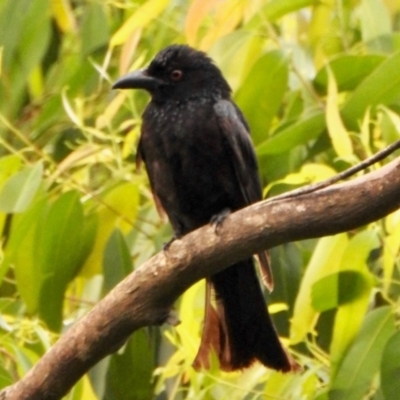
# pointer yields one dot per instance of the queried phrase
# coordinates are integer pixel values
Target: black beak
(137, 80)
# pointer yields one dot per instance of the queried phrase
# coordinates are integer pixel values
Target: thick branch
(145, 297)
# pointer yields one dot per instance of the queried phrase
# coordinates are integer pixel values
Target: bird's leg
(167, 245)
(165, 315)
(218, 219)
(177, 235)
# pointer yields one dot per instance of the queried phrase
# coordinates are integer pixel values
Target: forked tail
(239, 328)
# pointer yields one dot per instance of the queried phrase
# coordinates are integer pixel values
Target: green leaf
(375, 89)
(235, 54)
(5, 377)
(60, 254)
(25, 36)
(362, 361)
(11, 26)
(325, 260)
(389, 123)
(132, 368)
(375, 19)
(299, 133)
(284, 387)
(23, 236)
(322, 396)
(117, 263)
(391, 247)
(350, 316)
(118, 206)
(390, 368)
(8, 166)
(94, 28)
(265, 86)
(20, 189)
(349, 71)
(338, 289)
(35, 35)
(339, 136)
(147, 12)
(278, 8)
(25, 357)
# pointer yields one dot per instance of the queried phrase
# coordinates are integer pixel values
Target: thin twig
(379, 156)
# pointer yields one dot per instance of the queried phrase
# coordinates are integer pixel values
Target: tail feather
(211, 337)
(240, 329)
(265, 270)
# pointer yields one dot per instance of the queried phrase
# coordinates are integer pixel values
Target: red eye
(176, 75)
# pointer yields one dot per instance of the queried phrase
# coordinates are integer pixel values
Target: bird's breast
(186, 160)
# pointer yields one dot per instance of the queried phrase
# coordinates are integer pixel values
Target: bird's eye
(176, 75)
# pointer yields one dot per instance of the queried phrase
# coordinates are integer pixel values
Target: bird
(200, 160)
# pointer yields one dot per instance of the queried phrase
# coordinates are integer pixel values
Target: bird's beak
(137, 80)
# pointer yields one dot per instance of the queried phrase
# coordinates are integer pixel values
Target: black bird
(197, 150)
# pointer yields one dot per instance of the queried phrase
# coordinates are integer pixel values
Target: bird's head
(178, 72)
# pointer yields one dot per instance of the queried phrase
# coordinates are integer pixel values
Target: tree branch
(145, 297)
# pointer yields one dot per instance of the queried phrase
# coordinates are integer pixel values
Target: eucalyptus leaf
(20, 189)
(94, 28)
(338, 289)
(390, 368)
(349, 71)
(376, 88)
(117, 260)
(265, 86)
(134, 364)
(296, 134)
(61, 254)
(357, 370)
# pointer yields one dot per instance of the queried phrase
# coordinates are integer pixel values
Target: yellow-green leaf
(194, 17)
(265, 90)
(141, 17)
(390, 368)
(324, 261)
(362, 362)
(339, 136)
(227, 16)
(350, 316)
(24, 236)
(20, 189)
(60, 253)
(375, 19)
(309, 173)
(117, 209)
(1, 58)
(63, 14)
(391, 246)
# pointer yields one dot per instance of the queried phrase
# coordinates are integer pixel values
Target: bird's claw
(218, 219)
(167, 245)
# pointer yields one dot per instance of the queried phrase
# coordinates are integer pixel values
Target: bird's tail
(239, 328)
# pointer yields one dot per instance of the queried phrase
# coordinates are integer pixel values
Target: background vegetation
(319, 83)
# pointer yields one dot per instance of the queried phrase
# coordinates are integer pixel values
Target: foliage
(319, 85)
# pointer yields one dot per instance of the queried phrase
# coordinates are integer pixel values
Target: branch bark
(146, 296)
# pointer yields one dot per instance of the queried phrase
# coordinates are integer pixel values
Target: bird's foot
(164, 315)
(218, 219)
(167, 245)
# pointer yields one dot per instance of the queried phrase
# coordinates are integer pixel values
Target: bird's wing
(237, 138)
(236, 135)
